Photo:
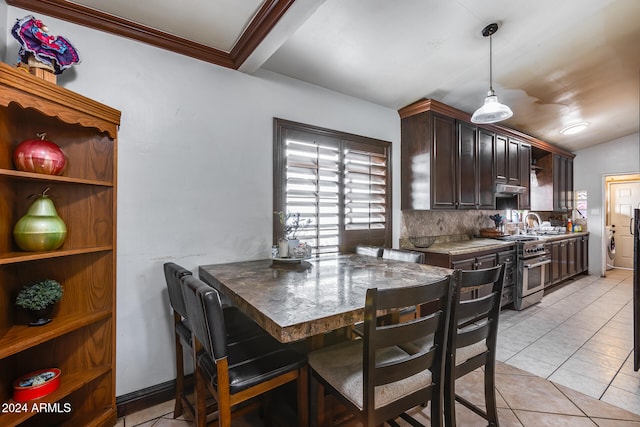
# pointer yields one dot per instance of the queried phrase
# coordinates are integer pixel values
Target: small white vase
(283, 248)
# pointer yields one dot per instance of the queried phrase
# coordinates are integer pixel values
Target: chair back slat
(470, 311)
(411, 296)
(408, 331)
(389, 373)
(172, 274)
(473, 335)
(377, 337)
(471, 278)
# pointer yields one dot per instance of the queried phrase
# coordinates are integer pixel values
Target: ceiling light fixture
(575, 128)
(492, 111)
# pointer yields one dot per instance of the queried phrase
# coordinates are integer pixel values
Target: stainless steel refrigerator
(634, 226)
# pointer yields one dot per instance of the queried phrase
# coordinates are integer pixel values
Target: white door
(625, 196)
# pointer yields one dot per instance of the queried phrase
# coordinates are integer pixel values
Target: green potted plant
(39, 299)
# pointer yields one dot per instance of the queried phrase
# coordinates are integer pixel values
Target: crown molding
(265, 19)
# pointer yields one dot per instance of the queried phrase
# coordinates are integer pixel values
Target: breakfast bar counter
(303, 299)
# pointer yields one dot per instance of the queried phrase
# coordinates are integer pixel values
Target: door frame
(606, 199)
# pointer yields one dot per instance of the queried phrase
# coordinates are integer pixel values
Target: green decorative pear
(41, 229)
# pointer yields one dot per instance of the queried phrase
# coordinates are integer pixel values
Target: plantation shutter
(339, 182)
(313, 188)
(366, 194)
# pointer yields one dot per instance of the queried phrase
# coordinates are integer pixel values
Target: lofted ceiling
(555, 63)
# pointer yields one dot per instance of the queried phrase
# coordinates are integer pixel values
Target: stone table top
(294, 301)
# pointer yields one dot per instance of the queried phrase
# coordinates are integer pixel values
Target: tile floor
(564, 362)
(580, 336)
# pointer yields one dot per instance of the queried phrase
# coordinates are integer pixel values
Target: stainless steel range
(532, 260)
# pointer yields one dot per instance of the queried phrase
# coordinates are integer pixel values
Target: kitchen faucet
(524, 219)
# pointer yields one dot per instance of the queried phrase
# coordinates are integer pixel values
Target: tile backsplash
(445, 224)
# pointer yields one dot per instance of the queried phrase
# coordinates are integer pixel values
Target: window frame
(347, 239)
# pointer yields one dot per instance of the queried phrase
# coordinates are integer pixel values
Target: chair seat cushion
(341, 366)
(465, 353)
(252, 361)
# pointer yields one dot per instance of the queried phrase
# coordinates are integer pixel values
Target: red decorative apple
(39, 156)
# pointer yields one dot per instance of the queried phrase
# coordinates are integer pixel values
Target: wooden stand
(38, 69)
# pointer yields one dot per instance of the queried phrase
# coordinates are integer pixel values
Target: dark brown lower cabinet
(475, 261)
(508, 258)
(569, 257)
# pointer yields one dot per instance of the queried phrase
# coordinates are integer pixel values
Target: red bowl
(35, 385)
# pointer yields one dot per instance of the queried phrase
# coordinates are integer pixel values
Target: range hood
(506, 190)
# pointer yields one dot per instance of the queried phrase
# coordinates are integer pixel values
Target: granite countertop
(462, 247)
(297, 301)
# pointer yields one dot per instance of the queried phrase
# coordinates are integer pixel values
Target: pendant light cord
(491, 64)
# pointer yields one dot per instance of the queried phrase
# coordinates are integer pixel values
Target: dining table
(303, 299)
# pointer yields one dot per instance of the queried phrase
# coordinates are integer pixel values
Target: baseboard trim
(147, 397)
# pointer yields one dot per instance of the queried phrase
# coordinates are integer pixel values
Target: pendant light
(492, 111)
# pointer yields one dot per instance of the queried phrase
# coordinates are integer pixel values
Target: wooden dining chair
(236, 372)
(182, 332)
(405, 313)
(471, 344)
(373, 377)
(239, 327)
(473, 333)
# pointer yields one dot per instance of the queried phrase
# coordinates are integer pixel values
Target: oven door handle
(537, 264)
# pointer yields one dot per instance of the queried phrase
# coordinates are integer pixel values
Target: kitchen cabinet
(562, 183)
(569, 257)
(507, 170)
(485, 168)
(425, 136)
(582, 254)
(508, 258)
(474, 167)
(559, 261)
(524, 153)
(446, 164)
(439, 146)
(552, 188)
(513, 164)
(502, 159)
(80, 340)
(476, 260)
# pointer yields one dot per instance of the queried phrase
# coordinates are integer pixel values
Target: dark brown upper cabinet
(524, 154)
(449, 163)
(552, 183)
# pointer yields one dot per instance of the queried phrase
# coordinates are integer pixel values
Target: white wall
(195, 170)
(5, 27)
(589, 168)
